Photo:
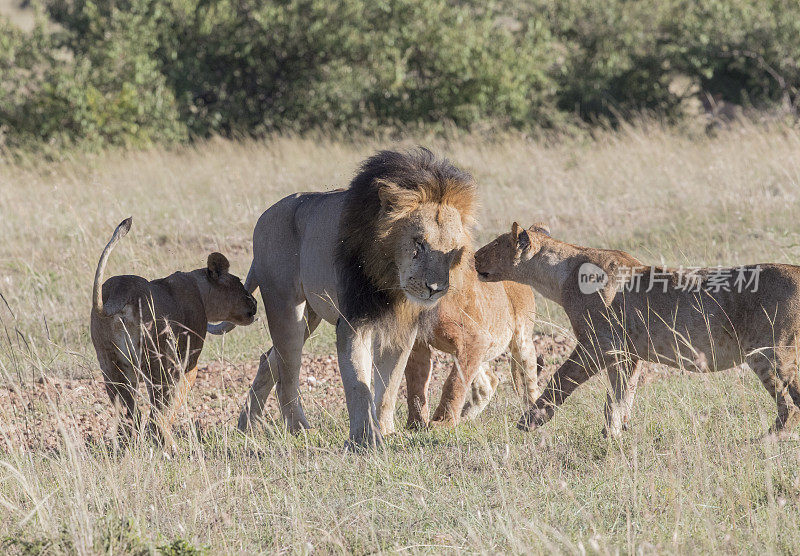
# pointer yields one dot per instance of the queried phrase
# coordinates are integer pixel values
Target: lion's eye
(418, 248)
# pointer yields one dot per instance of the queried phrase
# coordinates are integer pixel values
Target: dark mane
(367, 272)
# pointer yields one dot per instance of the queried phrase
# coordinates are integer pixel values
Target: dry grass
(685, 478)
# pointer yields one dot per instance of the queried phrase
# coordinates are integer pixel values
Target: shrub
(109, 93)
(135, 72)
(613, 64)
(356, 64)
(622, 56)
(743, 50)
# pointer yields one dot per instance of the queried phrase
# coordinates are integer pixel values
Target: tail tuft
(125, 226)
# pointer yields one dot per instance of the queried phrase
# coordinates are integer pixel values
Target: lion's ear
(541, 228)
(388, 193)
(217, 266)
(521, 239)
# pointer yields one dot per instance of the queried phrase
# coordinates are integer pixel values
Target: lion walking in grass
(374, 260)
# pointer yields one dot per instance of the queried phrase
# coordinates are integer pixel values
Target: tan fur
(476, 324)
(154, 331)
(365, 259)
(617, 328)
(402, 202)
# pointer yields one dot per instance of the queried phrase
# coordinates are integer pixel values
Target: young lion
(155, 330)
(476, 324)
(623, 312)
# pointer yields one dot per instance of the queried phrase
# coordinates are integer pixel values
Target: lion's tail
(250, 285)
(97, 292)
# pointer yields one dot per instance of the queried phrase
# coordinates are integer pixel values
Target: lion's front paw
(533, 419)
(416, 424)
(368, 439)
(442, 424)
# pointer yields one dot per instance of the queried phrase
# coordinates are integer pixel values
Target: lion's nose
(437, 288)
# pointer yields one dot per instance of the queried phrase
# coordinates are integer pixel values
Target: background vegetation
(135, 72)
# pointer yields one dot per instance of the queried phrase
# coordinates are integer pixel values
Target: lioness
(476, 324)
(155, 330)
(623, 312)
(373, 259)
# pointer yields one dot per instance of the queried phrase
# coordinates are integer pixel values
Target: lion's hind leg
(289, 327)
(121, 384)
(262, 386)
(624, 378)
(777, 369)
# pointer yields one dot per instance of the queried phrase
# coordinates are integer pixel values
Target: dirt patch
(36, 415)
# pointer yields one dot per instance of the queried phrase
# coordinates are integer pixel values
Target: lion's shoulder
(484, 303)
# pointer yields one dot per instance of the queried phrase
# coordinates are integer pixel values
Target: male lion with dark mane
(373, 259)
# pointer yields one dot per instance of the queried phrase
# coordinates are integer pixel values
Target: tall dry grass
(649, 190)
(686, 478)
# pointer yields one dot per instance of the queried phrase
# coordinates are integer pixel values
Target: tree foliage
(135, 72)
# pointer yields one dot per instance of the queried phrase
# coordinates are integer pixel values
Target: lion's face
(227, 298)
(429, 243)
(494, 262)
(500, 259)
(236, 304)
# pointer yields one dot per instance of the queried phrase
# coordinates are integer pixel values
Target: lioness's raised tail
(97, 292)
(223, 327)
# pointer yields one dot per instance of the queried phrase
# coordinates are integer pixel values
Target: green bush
(747, 51)
(135, 72)
(613, 64)
(109, 93)
(622, 56)
(240, 67)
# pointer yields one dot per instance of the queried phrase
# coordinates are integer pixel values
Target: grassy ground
(686, 478)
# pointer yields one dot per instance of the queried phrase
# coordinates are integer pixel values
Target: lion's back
(120, 291)
(294, 243)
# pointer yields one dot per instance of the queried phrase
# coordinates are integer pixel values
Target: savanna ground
(689, 476)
